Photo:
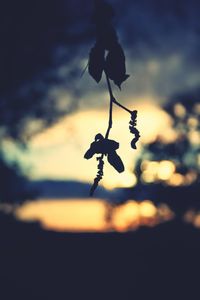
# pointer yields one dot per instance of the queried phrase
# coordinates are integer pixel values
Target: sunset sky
(161, 45)
(138, 235)
(57, 153)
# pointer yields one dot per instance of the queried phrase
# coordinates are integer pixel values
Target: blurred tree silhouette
(37, 38)
(14, 186)
(37, 64)
(169, 167)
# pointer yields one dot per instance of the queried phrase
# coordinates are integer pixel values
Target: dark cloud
(33, 34)
(162, 46)
(45, 45)
(37, 39)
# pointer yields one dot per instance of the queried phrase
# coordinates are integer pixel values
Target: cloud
(45, 46)
(162, 46)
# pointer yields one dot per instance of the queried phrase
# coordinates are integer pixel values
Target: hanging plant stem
(111, 107)
(113, 100)
(107, 56)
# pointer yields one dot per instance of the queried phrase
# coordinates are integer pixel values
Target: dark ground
(151, 263)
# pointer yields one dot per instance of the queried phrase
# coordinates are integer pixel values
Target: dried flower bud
(106, 147)
(133, 129)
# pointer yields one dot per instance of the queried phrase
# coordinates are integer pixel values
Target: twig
(111, 106)
(120, 105)
(113, 100)
(101, 163)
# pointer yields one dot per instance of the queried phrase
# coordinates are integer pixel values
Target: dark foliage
(113, 64)
(14, 186)
(36, 39)
(179, 188)
(106, 40)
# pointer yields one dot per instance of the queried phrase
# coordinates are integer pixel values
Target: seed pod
(103, 146)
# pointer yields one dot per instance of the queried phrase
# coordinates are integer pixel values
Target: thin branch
(111, 106)
(113, 100)
(100, 159)
(120, 105)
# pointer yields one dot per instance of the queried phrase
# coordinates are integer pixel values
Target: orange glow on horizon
(92, 215)
(70, 215)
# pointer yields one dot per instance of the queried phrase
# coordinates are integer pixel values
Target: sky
(161, 43)
(57, 153)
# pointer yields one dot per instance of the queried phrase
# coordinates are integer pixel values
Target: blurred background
(49, 114)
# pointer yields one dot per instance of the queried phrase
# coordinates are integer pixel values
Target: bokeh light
(93, 215)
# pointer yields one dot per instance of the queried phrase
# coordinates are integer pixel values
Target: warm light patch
(70, 215)
(179, 110)
(176, 180)
(148, 213)
(126, 216)
(93, 215)
(147, 209)
(123, 180)
(132, 215)
(164, 212)
(193, 217)
(166, 169)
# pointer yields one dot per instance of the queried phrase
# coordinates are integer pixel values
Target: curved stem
(113, 100)
(111, 107)
(100, 166)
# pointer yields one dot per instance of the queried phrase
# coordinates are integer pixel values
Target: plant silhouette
(107, 56)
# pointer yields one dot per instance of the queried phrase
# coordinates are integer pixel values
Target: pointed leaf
(115, 160)
(115, 65)
(96, 62)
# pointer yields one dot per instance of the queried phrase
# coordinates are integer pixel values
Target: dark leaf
(89, 153)
(115, 65)
(96, 62)
(115, 160)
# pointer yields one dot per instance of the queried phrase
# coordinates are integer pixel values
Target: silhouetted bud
(133, 129)
(99, 175)
(106, 147)
(103, 146)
